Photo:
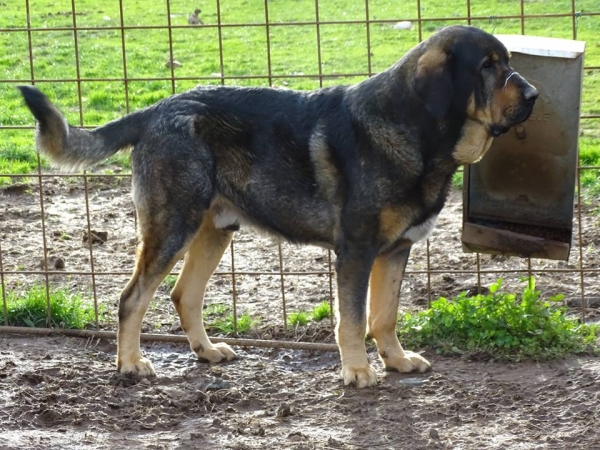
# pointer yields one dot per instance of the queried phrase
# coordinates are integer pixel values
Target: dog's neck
(473, 144)
(389, 95)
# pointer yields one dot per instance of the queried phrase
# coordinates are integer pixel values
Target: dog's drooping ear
(433, 82)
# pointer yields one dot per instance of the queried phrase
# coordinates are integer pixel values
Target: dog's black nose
(531, 94)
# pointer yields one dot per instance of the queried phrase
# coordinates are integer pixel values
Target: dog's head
(466, 71)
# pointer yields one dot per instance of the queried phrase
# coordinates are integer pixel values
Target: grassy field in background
(293, 51)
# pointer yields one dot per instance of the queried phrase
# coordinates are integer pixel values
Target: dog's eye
(487, 64)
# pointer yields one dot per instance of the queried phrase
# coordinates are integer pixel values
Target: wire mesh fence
(76, 232)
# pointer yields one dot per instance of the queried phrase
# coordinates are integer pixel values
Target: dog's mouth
(517, 117)
(496, 130)
(523, 114)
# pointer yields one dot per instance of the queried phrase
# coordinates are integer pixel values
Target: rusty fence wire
(28, 253)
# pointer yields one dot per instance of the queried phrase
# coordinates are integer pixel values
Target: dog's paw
(215, 353)
(142, 367)
(409, 362)
(362, 376)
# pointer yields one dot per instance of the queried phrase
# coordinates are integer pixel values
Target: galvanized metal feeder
(519, 199)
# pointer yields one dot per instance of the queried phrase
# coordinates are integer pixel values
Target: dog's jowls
(361, 169)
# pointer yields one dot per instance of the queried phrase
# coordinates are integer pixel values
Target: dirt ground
(112, 212)
(63, 393)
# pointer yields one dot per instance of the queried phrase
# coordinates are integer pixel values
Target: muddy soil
(63, 393)
(255, 258)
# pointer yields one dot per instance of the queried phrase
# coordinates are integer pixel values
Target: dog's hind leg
(200, 261)
(157, 254)
(384, 290)
(169, 215)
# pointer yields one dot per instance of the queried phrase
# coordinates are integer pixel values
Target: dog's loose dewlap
(362, 169)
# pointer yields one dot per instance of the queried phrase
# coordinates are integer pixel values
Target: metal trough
(519, 199)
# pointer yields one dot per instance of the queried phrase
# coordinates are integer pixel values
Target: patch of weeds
(67, 310)
(290, 52)
(321, 311)
(170, 281)
(589, 155)
(225, 325)
(298, 319)
(589, 152)
(457, 180)
(506, 326)
(590, 183)
(120, 159)
(17, 156)
(11, 181)
(216, 309)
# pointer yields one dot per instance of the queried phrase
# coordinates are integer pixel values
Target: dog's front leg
(384, 291)
(353, 266)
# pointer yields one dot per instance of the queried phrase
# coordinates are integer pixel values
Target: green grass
(457, 180)
(225, 325)
(170, 281)
(298, 319)
(302, 318)
(216, 309)
(504, 325)
(67, 310)
(219, 318)
(121, 159)
(17, 155)
(293, 51)
(589, 155)
(321, 311)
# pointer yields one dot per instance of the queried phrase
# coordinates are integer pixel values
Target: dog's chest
(396, 226)
(422, 231)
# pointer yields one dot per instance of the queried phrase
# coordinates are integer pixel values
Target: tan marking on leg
(129, 355)
(199, 264)
(384, 290)
(134, 302)
(198, 348)
(350, 336)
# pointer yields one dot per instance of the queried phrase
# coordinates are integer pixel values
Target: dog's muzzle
(529, 95)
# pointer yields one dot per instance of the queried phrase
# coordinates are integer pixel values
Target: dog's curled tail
(74, 148)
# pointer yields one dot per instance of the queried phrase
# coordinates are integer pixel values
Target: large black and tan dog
(361, 169)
